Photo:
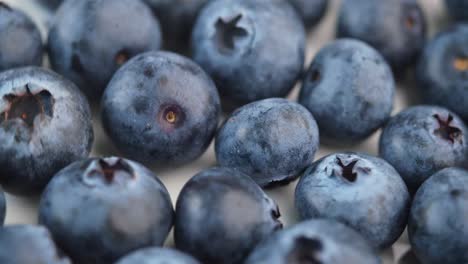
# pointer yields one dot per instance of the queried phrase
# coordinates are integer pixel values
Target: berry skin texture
(161, 108)
(396, 28)
(458, 9)
(177, 18)
(221, 214)
(90, 39)
(20, 40)
(311, 11)
(158, 256)
(253, 49)
(422, 140)
(437, 224)
(349, 88)
(45, 124)
(100, 209)
(443, 70)
(361, 191)
(314, 241)
(272, 140)
(29, 244)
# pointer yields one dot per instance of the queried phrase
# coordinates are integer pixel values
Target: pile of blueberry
(162, 109)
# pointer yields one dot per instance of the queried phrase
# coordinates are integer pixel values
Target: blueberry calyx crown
(106, 171)
(347, 171)
(227, 33)
(27, 106)
(305, 251)
(446, 130)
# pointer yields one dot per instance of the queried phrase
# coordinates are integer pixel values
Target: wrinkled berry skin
(221, 214)
(20, 40)
(157, 256)
(90, 39)
(311, 11)
(437, 224)
(349, 88)
(177, 18)
(45, 124)
(29, 244)
(362, 191)
(443, 70)
(458, 9)
(161, 108)
(422, 140)
(314, 241)
(253, 49)
(397, 28)
(101, 209)
(272, 140)
(2, 207)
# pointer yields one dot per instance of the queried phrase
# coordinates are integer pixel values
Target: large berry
(253, 49)
(161, 108)
(362, 191)
(221, 214)
(90, 39)
(437, 226)
(100, 209)
(272, 140)
(349, 89)
(422, 140)
(45, 124)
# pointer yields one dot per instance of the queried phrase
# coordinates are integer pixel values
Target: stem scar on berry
(171, 116)
(446, 130)
(460, 63)
(27, 106)
(227, 33)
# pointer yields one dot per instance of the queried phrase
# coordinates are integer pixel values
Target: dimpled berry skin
(458, 9)
(396, 28)
(443, 70)
(90, 39)
(45, 124)
(221, 214)
(20, 40)
(161, 108)
(100, 209)
(437, 224)
(422, 140)
(28, 244)
(349, 89)
(158, 256)
(272, 140)
(311, 11)
(253, 49)
(362, 191)
(314, 241)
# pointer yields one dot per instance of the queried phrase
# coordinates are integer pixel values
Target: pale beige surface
(21, 210)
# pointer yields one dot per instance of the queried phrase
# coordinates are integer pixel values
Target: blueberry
(253, 49)
(395, 28)
(161, 108)
(437, 224)
(349, 88)
(177, 18)
(443, 70)
(311, 11)
(272, 140)
(2, 207)
(20, 39)
(28, 244)
(221, 214)
(45, 124)
(101, 209)
(90, 39)
(316, 241)
(422, 140)
(362, 191)
(458, 9)
(157, 256)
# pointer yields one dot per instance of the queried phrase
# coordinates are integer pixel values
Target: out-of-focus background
(24, 210)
